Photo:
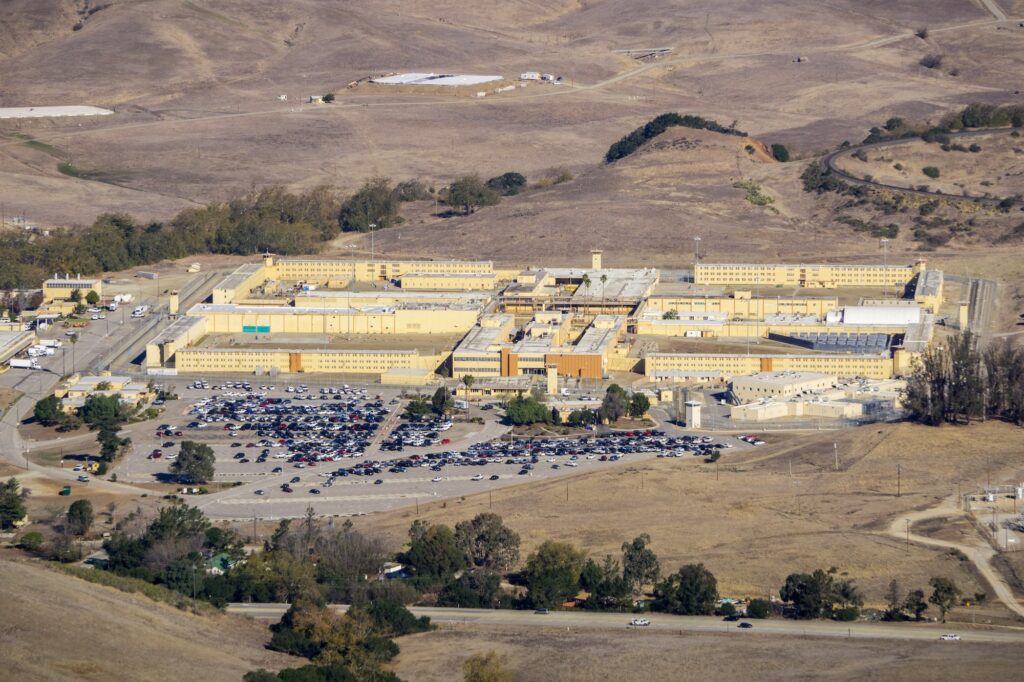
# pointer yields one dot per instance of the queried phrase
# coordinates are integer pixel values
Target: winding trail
(829, 163)
(980, 554)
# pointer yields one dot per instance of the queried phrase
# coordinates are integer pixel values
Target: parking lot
(348, 449)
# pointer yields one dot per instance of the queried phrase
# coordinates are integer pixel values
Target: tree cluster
(957, 382)
(820, 595)
(271, 219)
(656, 126)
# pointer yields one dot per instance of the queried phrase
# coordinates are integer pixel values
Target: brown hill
(196, 84)
(56, 627)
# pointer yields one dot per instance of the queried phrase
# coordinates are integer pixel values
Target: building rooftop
(928, 283)
(206, 308)
(239, 275)
(176, 329)
(781, 378)
(335, 351)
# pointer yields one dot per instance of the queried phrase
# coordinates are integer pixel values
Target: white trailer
(24, 364)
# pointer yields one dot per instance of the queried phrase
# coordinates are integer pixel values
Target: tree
(434, 553)
(75, 296)
(639, 563)
(552, 573)
(811, 594)
(638, 405)
(670, 315)
(328, 98)
(103, 410)
(780, 152)
(474, 590)
(945, 594)
(92, 298)
(12, 506)
(441, 401)
(507, 184)
(947, 383)
(931, 171)
(608, 589)
(79, 518)
(893, 601)
(526, 410)
(418, 408)
(410, 190)
(374, 204)
(915, 604)
(489, 667)
(470, 193)
(468, 380)
(487, 542)
(110, 442)
(693, 591)
(613, 406)
(759, 608)
(195, 462)
(47, 411)
(580, 418)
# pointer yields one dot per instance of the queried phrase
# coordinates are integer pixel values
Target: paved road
(666, 623)
(980, 553)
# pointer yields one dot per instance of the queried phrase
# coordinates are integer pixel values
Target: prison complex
(408, 318)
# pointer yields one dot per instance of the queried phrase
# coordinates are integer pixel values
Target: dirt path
(981, 553)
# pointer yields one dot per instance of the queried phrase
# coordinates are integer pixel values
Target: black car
(378, 482)
(745, 626)
(296, 479)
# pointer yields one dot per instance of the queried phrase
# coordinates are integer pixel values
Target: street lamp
(885, 267)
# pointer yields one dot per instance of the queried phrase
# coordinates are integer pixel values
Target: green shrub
(31, 541)
(780, 152)
(759, 608)
(931, 171)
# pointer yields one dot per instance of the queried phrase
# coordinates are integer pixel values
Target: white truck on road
(31, 363)
(141, 311)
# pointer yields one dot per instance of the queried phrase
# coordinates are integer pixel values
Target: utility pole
(254, 528)
(908, 536)
(566, 491)
(835, 449)
(898, 491)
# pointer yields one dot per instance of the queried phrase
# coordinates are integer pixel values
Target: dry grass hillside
(552, 655)
(56, 627)
(994, 167)
(751, 522)
(195, 86)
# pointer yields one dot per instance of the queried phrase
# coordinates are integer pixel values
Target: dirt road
(980, 554)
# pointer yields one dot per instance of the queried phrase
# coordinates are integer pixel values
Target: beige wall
(744, 308)
(198, 360)
(870, 366)
(813, 275)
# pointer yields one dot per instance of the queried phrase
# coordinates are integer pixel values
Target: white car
(950, 637)
(640, 622)
(435, 479)
(478, 477)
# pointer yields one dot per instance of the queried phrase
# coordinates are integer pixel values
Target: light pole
(373, 228)
(885, 267)
(696, 250)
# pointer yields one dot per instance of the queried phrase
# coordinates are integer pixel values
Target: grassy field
(995, 169)
(199, 117)
(59, 627)
(554, 655)
(750, 521)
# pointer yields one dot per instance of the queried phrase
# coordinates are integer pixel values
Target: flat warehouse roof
(43, 112)
(434, 79)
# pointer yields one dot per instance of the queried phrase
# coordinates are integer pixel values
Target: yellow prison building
(814, 276)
